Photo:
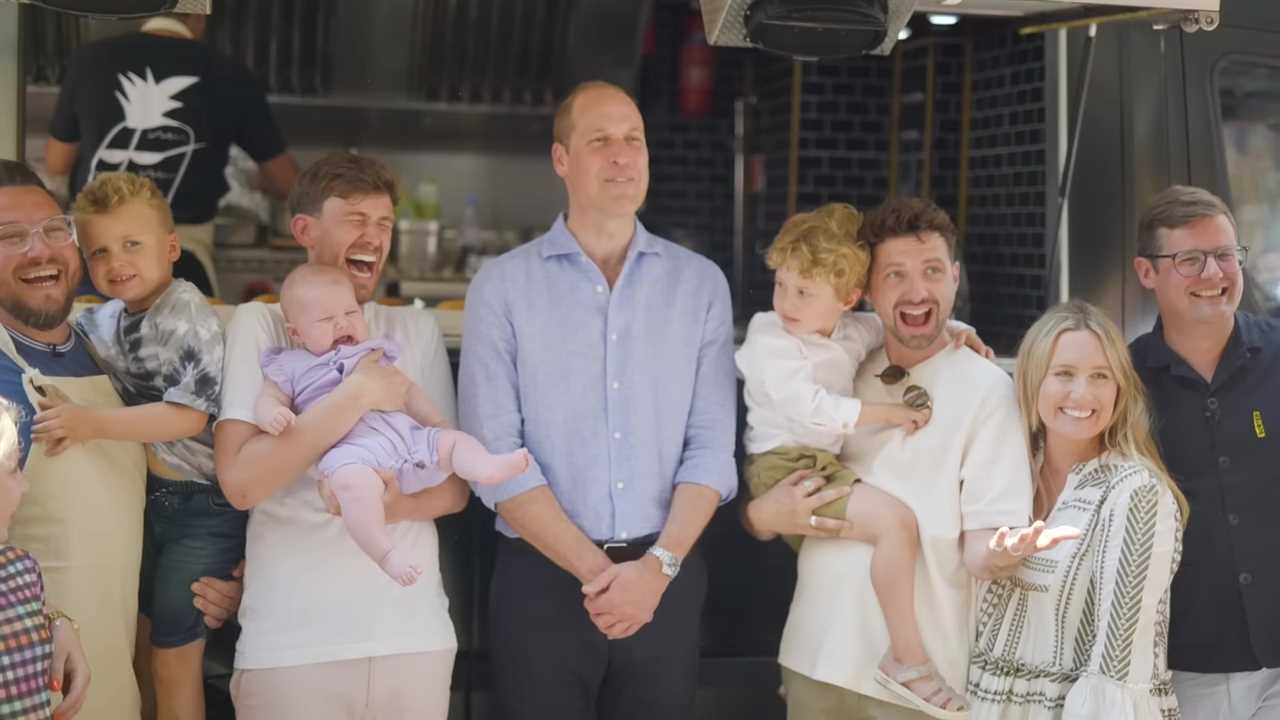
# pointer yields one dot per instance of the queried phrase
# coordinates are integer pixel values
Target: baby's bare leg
(881, 520)
(358, 490)
(464, 455)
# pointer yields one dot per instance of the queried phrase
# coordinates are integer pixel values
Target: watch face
(670, 564)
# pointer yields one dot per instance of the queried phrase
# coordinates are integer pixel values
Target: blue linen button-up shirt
(619, 393)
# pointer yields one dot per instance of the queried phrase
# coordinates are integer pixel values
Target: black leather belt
(621, 551)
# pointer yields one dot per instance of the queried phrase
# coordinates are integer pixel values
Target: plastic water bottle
(469, 233)
(469, 236)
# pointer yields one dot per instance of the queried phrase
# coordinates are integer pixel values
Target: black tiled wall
(1005, 248)
(690, 159)
(844, 155)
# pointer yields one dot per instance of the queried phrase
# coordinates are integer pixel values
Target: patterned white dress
(1081, 631)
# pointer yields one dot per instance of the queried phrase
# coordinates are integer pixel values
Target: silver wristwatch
(670, 563)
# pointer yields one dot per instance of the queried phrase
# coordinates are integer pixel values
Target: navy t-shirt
(71, 359)
(165, 107)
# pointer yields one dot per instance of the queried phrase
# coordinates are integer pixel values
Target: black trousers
(550, 662)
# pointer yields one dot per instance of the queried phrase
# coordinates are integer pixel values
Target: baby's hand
(277, 421)
(893, 414)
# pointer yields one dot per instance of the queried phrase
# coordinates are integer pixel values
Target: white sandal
(938, 701)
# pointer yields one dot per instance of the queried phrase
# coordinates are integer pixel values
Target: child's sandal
(938, 700)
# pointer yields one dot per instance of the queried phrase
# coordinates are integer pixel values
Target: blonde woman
(39, 647)
(1080, 631)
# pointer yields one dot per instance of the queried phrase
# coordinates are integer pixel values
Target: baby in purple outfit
(323, 316)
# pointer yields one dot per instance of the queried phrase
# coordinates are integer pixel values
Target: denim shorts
(190, 531)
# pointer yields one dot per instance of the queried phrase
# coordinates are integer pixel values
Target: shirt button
(617, 385)
(620, 486)
(1233, 519)
(614, 337)
(1246, 579)
(622, 535)
(617, 436)
(1212, 403)
(599, 288)
(1224, 462)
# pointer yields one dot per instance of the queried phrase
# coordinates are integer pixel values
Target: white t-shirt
(799, 389)
(968, 469)
(310, 594)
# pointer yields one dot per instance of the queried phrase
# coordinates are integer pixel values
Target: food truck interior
(1041, 125)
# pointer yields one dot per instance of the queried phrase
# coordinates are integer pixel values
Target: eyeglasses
(913, 396)
(17, 238)
(1190, 263)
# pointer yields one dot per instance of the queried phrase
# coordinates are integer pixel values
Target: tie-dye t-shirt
(171, 352)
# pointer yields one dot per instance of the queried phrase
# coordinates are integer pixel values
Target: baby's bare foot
(501, 468)
(397, 565)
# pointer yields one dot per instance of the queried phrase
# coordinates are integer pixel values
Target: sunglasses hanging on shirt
(913, 396)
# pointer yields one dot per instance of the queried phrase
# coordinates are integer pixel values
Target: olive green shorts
(767, 469)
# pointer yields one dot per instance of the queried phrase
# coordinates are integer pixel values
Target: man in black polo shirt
(1213, 374)
(163, 104)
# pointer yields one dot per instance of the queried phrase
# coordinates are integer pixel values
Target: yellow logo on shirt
(1258, 429)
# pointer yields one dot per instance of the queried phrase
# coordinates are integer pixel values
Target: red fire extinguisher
(696, 69)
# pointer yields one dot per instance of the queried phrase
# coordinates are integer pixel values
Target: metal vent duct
(724, 24)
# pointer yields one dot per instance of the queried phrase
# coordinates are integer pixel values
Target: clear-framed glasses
(57, 231)
(1190, 263)
(913, 396)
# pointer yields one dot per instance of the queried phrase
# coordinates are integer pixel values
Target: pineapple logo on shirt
(149, 142)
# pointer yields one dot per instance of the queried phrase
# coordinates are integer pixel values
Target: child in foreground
(324, 319)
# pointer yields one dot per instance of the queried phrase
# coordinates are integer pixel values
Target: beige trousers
(809, 699)
(390, 687)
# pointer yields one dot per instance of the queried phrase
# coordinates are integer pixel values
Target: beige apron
(82, 520)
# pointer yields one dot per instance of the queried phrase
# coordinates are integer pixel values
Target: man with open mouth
(1213, 375)
(82, 518)
(325, 633)
(963, 476)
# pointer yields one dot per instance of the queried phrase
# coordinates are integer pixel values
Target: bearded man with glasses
(1213, 375)
(82, 519)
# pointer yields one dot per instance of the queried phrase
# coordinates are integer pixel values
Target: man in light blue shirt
(608, 352)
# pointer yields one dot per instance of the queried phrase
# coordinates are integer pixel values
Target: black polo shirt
(165, 107)
(1221, 441)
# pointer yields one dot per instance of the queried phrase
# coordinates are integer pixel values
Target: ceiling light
(904, 33)
(952, 2)
(942, 19)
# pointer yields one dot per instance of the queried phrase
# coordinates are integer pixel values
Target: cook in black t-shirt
(163, 104)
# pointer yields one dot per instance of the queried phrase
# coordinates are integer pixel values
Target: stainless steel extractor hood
(123, 8)
(726, 25)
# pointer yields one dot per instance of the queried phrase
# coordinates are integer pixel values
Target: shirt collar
(560, 241)
(1245, 336)
(1250, 333)
(64, 347)
(167, 25)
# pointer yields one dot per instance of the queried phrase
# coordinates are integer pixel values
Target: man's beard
(38, 318)
(916, 342)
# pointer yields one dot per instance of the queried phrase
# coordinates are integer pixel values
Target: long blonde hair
(1129, 433)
